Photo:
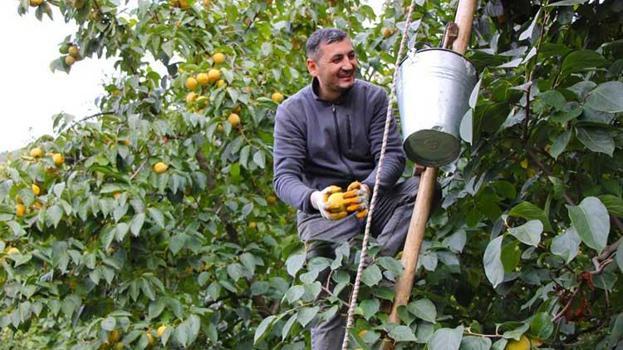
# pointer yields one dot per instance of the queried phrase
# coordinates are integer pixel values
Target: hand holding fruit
(357, 197)
(330, 203)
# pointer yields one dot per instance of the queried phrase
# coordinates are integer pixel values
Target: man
(328, 137)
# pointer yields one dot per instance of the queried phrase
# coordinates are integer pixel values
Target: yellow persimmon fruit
(253, 225)
(58, 159)
(522, 344)
(12, 250)
(387, 32)
(218, 58)
(191, 97)
(234, 119)
(524, 164)
(36, 152)
(277, 97)
(160, 167)
(191, 83)
(20, 210)
(160, 331)
(35, 189)
(35, 3)
(336, 200)
(214, 75)
(206, 3)
(220, 83)
(150, 338)
(114, 336)
(184, 4)
(203, 79)
(271, 199)
(73, 51)
(69, 60)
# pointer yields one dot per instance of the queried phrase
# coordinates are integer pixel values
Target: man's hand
(357, 198)
(331, 212)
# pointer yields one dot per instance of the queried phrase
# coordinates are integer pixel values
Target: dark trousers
(390, 223)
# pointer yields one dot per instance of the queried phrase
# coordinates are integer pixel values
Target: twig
(567, 305)
(468, 330)
(89, 117)
(138, 170)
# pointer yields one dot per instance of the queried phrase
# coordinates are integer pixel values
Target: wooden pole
(463, 19)
(415, 236)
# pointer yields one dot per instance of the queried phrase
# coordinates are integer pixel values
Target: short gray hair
(323, 36)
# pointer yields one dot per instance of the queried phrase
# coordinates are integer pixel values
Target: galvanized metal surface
(433, 90)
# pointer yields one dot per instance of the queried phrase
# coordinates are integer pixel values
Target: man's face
(334, 66)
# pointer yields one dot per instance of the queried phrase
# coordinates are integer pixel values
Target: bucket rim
(407, 56)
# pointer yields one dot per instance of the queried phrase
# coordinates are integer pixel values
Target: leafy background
(524, 251)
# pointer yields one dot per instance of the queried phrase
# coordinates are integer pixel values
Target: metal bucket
(433, 89)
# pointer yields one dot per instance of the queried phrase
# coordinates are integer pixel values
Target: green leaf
(295, 263)
(456, 241)
(371, 276)
(606, 97)
(566, 245)
(542, 325)
(466, 128)
(516, 332)
(235, 271)
(307, 314)
(402, 334)
(494, 269)
(423, 309)
(181, 334)
(285, 331)
(475, 343)
(260, 159)
(567, 3)
(109, 323)
(530, 211)
(560, 144)
(553, 99)
(528, 233)
(157, 216)
(137, 224)
(619, 257)
(446, 339)
(369, 307)
(54, 215)
(177, 242)
(613, 203)
(294, 293)
(568, 111)
(580, 60)
(591, 221)
(597, 140)
(265, 325)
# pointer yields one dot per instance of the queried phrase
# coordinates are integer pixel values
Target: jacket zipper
(349, 136)
(339, 145)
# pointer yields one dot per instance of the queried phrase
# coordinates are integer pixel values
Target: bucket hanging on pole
(433, 90)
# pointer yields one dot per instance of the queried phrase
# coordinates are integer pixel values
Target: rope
(366, 236)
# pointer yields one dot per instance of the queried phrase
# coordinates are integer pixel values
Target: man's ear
(312, 68)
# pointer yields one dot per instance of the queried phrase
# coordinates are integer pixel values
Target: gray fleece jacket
(320, 143)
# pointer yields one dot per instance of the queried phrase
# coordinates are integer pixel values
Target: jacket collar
(315, 89)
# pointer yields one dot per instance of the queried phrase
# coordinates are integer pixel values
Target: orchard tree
(153, 222)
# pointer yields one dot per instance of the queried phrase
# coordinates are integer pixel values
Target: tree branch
(89, 117)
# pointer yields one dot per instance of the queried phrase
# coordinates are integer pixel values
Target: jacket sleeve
(394, 160)
(289, 152)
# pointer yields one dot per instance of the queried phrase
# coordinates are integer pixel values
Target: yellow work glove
(357, 199)
(330, 211)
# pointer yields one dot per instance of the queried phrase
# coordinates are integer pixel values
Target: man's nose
(348, 64)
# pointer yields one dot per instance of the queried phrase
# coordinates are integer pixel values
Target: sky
(30, 93)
